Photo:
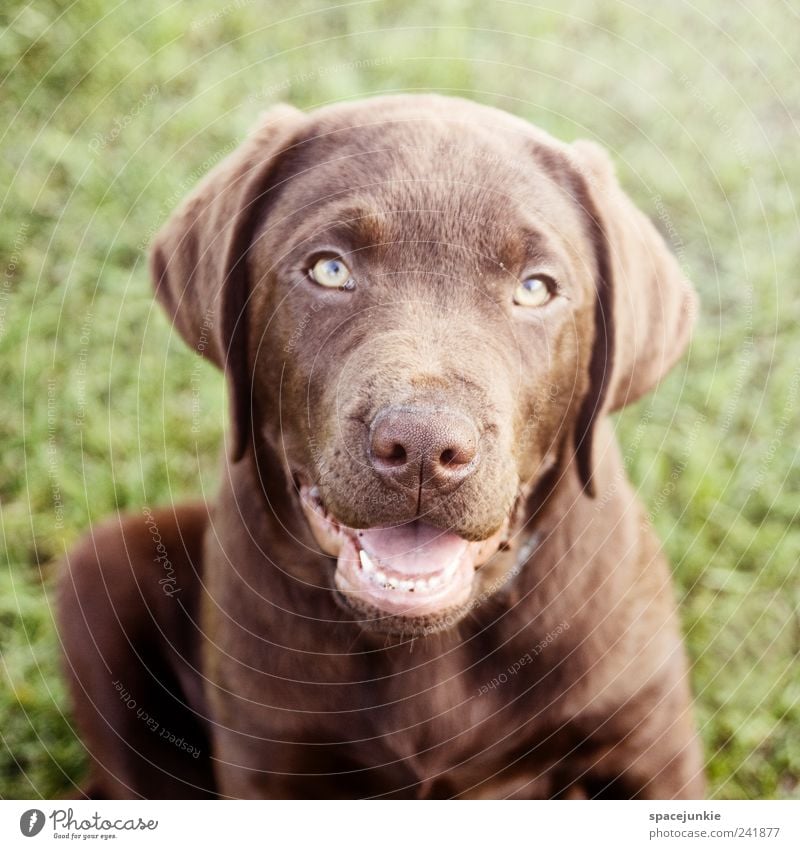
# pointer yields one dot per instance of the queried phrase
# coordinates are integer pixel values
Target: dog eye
(534, 291)
(332, 273)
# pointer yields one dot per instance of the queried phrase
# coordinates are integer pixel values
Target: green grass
(95, 407)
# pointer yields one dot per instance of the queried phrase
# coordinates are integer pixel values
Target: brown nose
(432, 448)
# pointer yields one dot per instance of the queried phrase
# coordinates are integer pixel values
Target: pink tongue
(412, 549)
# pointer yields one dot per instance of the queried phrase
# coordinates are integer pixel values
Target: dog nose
(432, 448)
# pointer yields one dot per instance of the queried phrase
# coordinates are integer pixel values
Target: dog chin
(411, 578)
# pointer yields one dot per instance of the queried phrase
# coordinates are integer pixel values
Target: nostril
(389, 450)
(396, 455)
(456, 459)
(432, 447)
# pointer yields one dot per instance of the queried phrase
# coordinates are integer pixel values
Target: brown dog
(425, 574)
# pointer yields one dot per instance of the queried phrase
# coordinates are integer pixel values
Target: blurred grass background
(111, 112)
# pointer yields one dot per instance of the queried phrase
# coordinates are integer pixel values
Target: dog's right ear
(198, 258)
(645, 307)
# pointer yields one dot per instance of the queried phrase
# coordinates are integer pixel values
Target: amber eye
(332, 273)
(534, 291)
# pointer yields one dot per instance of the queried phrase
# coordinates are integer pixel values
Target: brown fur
(441, 205)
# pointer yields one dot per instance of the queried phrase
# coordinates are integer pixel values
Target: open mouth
(409, 570)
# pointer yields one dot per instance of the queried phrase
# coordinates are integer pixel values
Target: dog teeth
(390, 582)
(450, 570)
(366, 562)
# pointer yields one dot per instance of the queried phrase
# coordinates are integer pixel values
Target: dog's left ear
(645, 307)
(199, 258)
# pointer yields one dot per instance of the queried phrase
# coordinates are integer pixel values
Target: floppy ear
(645, 307)
(198, 259)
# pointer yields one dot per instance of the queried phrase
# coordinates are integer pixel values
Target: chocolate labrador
(424, 574)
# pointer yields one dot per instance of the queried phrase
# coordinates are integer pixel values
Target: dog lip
(411, 571)
(329, 532)
(388, 592)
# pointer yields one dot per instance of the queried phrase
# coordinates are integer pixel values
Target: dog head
(422, 305)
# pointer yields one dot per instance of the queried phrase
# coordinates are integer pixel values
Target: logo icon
(31, 822)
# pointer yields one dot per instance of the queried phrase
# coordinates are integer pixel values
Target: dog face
(419, 302)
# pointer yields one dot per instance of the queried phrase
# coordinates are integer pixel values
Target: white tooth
(394, 583)
(379, 577)
(453, 567)
(420, 586)
(406, 585)
(435, 581)
(366, 562)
